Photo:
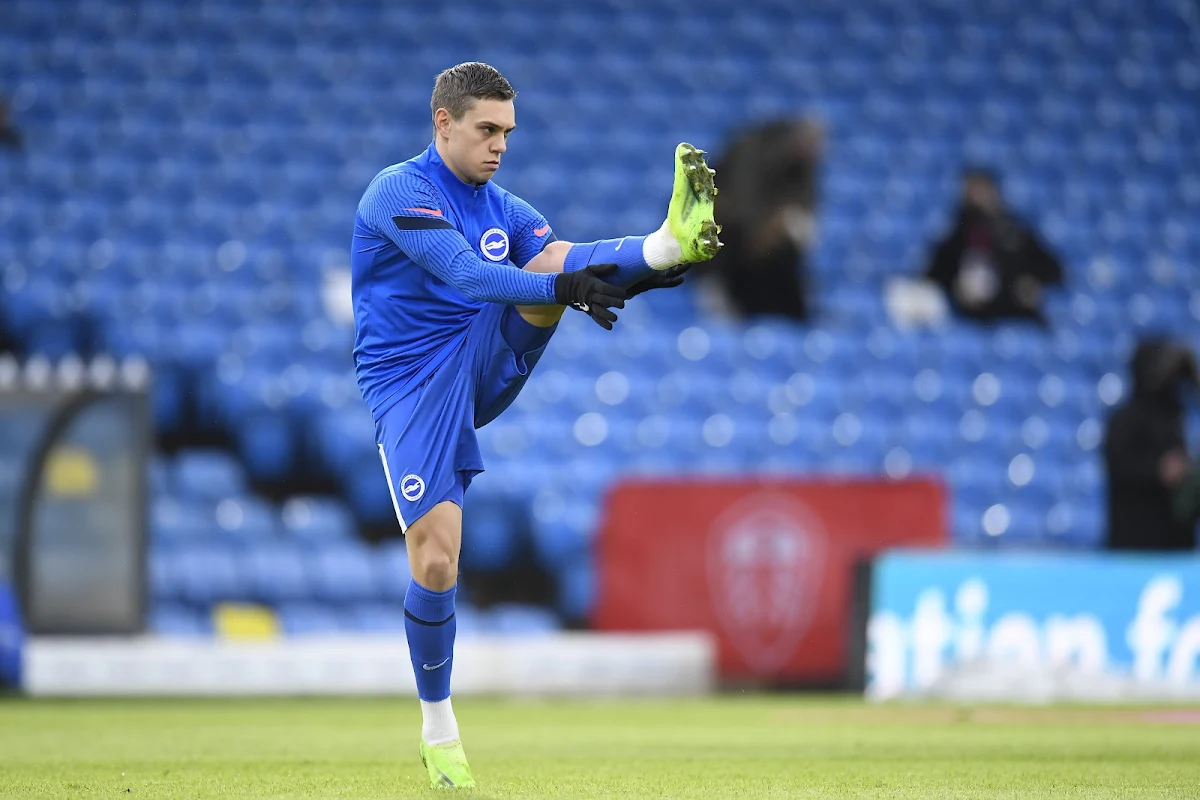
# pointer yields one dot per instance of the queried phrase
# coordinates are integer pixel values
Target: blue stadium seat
(174, 522)
(276, 573)
(208, 475)
(316, 520)
(577, 588)
(342, 572)
(522, 620)
(200, 238)
(309, 619)
(492, 531)
(246, 520)
(210, 574)
(383, 618)
(365, 490)
(179, 620)
(165, 571)
(266, 444)
(392, 571)
(562, 527)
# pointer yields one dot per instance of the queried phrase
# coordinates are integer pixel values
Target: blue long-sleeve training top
(429, 251)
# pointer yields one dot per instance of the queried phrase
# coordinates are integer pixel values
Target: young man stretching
(457, 287)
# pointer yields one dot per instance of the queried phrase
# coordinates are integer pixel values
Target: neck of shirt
(448, 178)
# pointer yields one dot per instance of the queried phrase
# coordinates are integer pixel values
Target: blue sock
(625, 253)
(429, 623)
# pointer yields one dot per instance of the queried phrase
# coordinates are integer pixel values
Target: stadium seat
(276, 573)
(179, 620)
(174, 522)
(392, 571)
(341, 572)
(210, 574)
(201, 237)
(208, 475)
(492, 532)
(377, 618)
(316, 520)
(577, 588)
(246, 520)
(522, 620)
(266, 444)
(309, 619)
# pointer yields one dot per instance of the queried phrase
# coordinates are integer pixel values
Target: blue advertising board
(1133, 616)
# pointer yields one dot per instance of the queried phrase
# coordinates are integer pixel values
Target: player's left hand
(662, 279)
(587, 291)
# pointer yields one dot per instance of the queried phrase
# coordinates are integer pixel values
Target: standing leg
(434, 542)
(433, 546)
(424, 443)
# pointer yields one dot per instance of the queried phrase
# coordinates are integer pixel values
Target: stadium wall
(575, 664)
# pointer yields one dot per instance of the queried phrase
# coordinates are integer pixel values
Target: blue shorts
(427, 439)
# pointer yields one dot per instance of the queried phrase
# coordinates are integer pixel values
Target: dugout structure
(74, 443)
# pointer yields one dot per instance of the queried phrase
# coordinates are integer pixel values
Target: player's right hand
(585, 291)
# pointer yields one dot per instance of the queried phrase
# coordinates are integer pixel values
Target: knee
(433, 545)
(550, 259)
(435, 568)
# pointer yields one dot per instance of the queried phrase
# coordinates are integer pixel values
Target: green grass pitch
(729, 747)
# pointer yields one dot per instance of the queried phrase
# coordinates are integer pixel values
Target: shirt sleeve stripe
(421, 223)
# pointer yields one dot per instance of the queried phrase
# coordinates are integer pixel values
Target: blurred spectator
(1145, 454)
(991, 265)
(10, 137)
(768, 195)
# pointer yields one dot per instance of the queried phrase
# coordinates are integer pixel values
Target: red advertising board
(766, 566)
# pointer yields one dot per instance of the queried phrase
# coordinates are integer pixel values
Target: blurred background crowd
(961, 242)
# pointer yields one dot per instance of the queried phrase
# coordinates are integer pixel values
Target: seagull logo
(494, 244)
(412, 487)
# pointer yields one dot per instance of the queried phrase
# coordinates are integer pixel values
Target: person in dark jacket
(10, 137)
(991, 265)
(1145, 453)
(766, 209)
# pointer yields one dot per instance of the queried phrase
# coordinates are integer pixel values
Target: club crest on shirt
(494, 244)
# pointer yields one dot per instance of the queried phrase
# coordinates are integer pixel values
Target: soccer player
(457, 287)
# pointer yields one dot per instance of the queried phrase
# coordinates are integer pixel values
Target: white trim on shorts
(387, 474)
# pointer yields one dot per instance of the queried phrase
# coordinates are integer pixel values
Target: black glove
(661, 279)
(584, 291)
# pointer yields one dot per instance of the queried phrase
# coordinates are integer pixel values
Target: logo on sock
(494, 244)
(412, 487)
(432, 667)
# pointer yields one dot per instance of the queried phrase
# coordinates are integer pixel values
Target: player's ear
(441, 122)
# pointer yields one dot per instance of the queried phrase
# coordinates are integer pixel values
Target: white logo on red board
(765, 558)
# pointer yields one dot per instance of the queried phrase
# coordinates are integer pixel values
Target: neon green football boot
(690, 215)
(447, 765)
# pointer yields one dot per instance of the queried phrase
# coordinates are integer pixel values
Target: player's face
(479, 139)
